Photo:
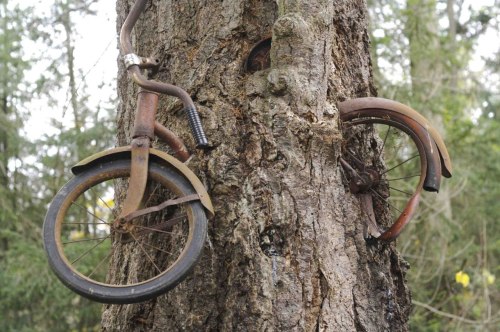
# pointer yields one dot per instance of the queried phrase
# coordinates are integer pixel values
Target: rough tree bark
(286, 250)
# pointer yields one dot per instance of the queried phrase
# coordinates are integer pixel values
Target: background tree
(286, 250)
(31, 298)
(12, 69)
(424, 49)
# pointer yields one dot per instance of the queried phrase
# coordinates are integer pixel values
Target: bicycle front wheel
(112, 262)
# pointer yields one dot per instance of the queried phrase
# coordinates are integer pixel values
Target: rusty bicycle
(159, 219)
(405, 156)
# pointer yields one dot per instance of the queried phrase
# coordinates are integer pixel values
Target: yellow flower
(490, 278)
(462, 278)
(108, 203)
(76, 235)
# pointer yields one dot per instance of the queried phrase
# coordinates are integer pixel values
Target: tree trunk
(286, 250)
(427, 75)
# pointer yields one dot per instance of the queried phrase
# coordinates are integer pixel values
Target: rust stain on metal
(147, 103)
(174, 142)
(434, 158)
(405, 217)
(259, 57)
(138, 176)
(396, 107)
(149, 63)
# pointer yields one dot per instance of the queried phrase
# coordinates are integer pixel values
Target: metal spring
(196, 128)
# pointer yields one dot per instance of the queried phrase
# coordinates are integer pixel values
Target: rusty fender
(124, 152)
(350, 107)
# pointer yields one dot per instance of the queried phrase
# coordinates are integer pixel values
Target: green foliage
(31, 297)
(453, 244)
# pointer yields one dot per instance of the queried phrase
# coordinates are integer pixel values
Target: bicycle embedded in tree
(160, 220)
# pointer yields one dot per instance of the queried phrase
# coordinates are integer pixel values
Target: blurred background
(58, 64)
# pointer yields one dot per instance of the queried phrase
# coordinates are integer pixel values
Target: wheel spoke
(400, 164)
(377, 195)
(100, 263)
(92, 214)
(385, 140)
(82, 223)
(86, 240)
(145, 252)
(350, 137)
(151, 195)
(359, 163)
(402, 178)
(401, 191)
(151, 246)
(89, 250)
(102, 200)
(154, 229)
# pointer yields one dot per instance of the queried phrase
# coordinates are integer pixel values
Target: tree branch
(455, 317)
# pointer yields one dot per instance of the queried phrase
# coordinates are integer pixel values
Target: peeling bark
(286, 250)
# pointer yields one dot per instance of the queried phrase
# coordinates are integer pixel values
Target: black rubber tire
(123, 294)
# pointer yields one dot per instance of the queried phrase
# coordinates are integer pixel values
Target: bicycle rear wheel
(112, 262)
(391, 169)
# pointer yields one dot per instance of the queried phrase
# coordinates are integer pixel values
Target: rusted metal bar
(160, 87)
(164, 205)
(175, 143)
(128, 25)
(138, 176)
(147, 103)
(134, 63)
(259, 57)
(134, 70)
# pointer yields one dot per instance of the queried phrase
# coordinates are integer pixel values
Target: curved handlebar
(132, 63)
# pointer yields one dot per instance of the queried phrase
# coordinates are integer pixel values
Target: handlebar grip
(196, 128)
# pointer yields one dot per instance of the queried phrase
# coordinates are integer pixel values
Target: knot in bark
(291, 26)
(279, 81)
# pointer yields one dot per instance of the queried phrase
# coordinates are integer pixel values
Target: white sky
(95, 56)
(488, 43)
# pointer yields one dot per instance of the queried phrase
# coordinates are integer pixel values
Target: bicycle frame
(134, 64)
(145, 126)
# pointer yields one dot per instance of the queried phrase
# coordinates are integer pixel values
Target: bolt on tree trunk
(286, 250)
